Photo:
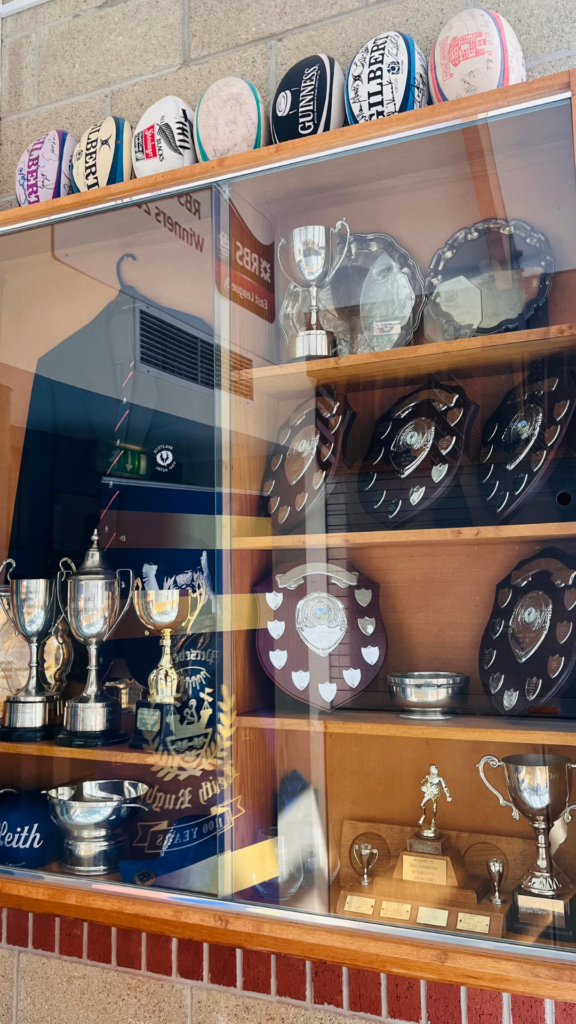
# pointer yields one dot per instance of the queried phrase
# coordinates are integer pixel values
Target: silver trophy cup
(365, 856)
(93, 816)
(30, 605)
(538, 787)
(93, 610)
(312, 263)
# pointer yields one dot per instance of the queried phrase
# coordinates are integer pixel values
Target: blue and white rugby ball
(103, 156)
(163, 138)
(229, 119)
(309, 99)
(387, 76)
(476, 51)
(44, 169)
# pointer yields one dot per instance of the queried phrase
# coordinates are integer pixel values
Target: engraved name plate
(473, 923)
(432, 915)
(536, 909)
(398, 911)
(148, 719)
(423, 869)
(360, 905)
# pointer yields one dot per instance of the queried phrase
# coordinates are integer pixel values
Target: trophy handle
(372, 862)
(495, 763)
(128, 600)
(334, 231)
(12, 564)
(199, 592)
(4, 601)
(60, 577)
(566, 816)
(278, 251)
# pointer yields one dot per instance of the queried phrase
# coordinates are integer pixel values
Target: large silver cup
(312, 263)
(31, 607)
(538, 787)
(93, 611)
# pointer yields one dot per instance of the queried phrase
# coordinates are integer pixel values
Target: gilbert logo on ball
(103, 156)
(44, 169)
(229, 119)
(163, 139)
(309, 99)
(476, 51)
(387, 76)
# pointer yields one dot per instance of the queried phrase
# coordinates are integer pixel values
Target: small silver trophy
(93, 610)
(495, 868)
(311, 264)
(366, 856)
(32, 713)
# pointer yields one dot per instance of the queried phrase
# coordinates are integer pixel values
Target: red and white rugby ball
(164, 138)
(44, 169)
(476, 51)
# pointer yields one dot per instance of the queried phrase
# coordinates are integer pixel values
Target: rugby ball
(163, 138)
(44, 169)
(387, 76)
(229, 119)
(103, 156)
(309, 99)
(476, 51)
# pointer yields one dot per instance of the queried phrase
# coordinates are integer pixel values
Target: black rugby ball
(309, 99)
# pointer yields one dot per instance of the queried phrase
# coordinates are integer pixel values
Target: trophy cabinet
(289, 440)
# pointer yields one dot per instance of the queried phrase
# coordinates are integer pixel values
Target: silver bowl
(428, 694)
(93, 815)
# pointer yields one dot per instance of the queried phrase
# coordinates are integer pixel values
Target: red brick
(527, 1010)
(327, 984)
(222, 965)
(484, 1007)
(443, 1003)
(71, 937)
(290, 977)
(256, 971)
(129, 948)
(403, 998)
(190, 959)
(565, 1013)
(100, 943)
(44, 932)
(159, 954)
(365, 989)
(17, 928)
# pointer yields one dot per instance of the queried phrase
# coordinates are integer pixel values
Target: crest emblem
(321, 622)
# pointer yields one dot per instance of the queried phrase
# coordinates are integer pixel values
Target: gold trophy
(170, 613)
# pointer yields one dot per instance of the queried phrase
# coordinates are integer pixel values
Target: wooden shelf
(386, 538)
(113, 755)
(390, 723)
(484, 354)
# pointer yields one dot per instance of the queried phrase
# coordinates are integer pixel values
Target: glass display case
(288, 457)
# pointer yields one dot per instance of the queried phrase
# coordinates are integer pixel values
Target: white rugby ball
(103, 156)
(309, 99)
(163, 138)
(387, 76)
(229, 119)
(44, 169)
(476, 51)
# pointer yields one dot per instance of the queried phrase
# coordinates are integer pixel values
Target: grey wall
(68, 62)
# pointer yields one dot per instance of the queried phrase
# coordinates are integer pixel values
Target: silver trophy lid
(94, 564)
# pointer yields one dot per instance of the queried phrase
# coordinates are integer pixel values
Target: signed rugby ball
(309, 99)
(476, 51)
(163, 138)
(44, 169)
(103, 156)
(387, 76)
(229, 119)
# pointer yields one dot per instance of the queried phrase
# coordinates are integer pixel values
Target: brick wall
(68, 62)
(58, 969)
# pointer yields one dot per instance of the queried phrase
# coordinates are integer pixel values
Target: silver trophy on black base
(93, 610)
(33, 713)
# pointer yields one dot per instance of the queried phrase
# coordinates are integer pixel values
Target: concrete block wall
(68, 62)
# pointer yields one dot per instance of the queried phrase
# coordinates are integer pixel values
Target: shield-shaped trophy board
(528, 649)
(320, 636)
(415, 452)
(304, 459)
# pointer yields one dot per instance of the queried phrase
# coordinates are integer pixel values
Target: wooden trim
(501, 970)
(196, 175)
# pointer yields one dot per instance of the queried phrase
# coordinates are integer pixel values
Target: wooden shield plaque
(528, 649)
(416, 449)
(521, 438)
(304, 459)
(320, 635)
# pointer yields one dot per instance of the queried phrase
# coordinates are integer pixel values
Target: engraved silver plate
(529, 624)
(321, 622)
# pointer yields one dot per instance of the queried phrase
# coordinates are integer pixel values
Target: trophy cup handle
(495, 763)
(3, 601)
(372, 862)
(128, 599)
(334, 231)
(278, 251)
(60, 577)
(12, 564)
(566, 816)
